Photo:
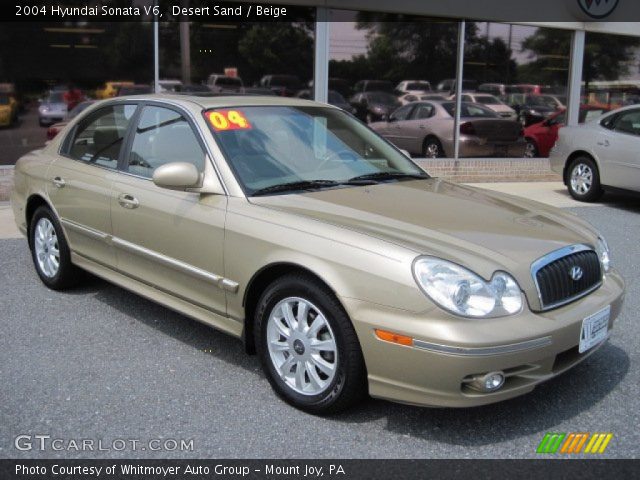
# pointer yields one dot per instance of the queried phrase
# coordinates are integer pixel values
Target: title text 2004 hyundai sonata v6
(292, 225)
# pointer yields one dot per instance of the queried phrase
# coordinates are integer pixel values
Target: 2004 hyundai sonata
(295, 227)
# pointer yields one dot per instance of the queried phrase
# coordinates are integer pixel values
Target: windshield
(382, 97)
(275, 145)
(425, 86)
(540, 101)
(55, 97)
(229, 81)
(335, 98)
(488, 100)
(470, 110)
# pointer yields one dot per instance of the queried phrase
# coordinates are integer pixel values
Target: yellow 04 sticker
(222, 120)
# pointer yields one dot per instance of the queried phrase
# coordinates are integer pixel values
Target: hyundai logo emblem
(576, 273)
(598, 8)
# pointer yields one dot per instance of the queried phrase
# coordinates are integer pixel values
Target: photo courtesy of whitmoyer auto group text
(348, 239)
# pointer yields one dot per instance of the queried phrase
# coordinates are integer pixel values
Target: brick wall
(468, 170)
(479, 170)
(6, 182)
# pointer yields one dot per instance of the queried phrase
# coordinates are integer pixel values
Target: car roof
(207, 101)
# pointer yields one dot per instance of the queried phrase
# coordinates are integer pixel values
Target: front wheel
(308, 347)
(584, 180)
(531, 150)
(432, 148)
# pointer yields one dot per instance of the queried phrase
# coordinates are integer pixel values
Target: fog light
(489, 382)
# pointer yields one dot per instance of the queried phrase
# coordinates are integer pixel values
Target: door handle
(128, 201)
(59, 182)
(604, 144)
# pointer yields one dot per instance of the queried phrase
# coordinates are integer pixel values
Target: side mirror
(177, 176)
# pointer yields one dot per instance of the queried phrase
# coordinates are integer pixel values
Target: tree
(280, 48)
(606, 57)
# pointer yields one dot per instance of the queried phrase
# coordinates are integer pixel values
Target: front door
(172, 240)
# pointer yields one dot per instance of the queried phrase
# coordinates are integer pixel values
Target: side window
(163, 136)
(628, 122)
(98, 139)
(423, 111)
(401, 113)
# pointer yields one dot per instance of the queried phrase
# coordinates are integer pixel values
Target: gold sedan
(295, 227)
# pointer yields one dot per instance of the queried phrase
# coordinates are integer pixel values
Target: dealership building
(579, 51)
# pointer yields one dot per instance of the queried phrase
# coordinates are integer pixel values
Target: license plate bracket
(594, 329)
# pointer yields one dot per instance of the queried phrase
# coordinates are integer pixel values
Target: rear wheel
(50, 252)
(308, 347)
(584, 180)
(432, 148)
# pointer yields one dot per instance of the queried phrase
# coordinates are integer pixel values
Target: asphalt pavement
(99, 362)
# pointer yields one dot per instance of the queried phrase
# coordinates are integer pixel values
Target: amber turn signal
(394, 337)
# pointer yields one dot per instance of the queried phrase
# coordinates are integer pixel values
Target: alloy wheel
(46, 248)
(581, 179)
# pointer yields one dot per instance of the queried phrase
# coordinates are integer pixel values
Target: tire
(368, 118)
(583, 179)
(432, 148)
(330, 381)
(531, 150)
(45, 238)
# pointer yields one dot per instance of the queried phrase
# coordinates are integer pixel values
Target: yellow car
(293, 226)
(8, 110)
(110, 89)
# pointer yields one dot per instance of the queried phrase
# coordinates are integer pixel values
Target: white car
(415, 87)
(412, 97)
(491, 102)
(601, 154)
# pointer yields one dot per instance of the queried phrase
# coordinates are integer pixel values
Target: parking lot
(100, 362)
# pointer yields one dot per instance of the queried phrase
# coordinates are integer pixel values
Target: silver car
(600, 154)
(52, 109)
(426, 129)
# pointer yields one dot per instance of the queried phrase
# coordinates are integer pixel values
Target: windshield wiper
(386, 176)
(292, 186)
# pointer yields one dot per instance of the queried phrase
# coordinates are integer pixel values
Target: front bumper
(529, 347)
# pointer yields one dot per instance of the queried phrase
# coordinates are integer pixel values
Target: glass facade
(395, 72)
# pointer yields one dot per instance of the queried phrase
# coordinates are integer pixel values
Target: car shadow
(204, 338)
(629, 202)
(550, 404)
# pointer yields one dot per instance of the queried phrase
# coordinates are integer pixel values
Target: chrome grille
(566, 275)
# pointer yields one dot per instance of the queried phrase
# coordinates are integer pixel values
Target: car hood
(483, 230)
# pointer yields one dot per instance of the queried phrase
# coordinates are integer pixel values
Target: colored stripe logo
(574, 443)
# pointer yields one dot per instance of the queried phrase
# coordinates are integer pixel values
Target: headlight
(464, 293)
(43, 109)
(602, 249)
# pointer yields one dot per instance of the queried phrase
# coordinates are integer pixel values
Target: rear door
(396, 131)
(172, 240)
(619, 151)
(82, 178)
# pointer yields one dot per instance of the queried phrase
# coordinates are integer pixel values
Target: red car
(542, 136)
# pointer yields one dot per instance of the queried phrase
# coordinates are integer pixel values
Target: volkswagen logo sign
(598, 8)
(576, 273)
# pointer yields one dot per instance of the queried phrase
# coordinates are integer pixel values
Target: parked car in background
(259, 91)
(329, 253)
(8, 110)
(410, 97)
(416, 87)
(526, 88)
(52, 108)
(600, 154)
(56, 128)
(168, 85)
(192, 88)
(219, 83)
(542, 136)
(426, 129)
(109, 89)
(491, 102)
(333, 98)
(282, 85)
(496, 89)
(136, 89)
(530, 108)
(373, 86)
(373, 106)
(448, 86)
